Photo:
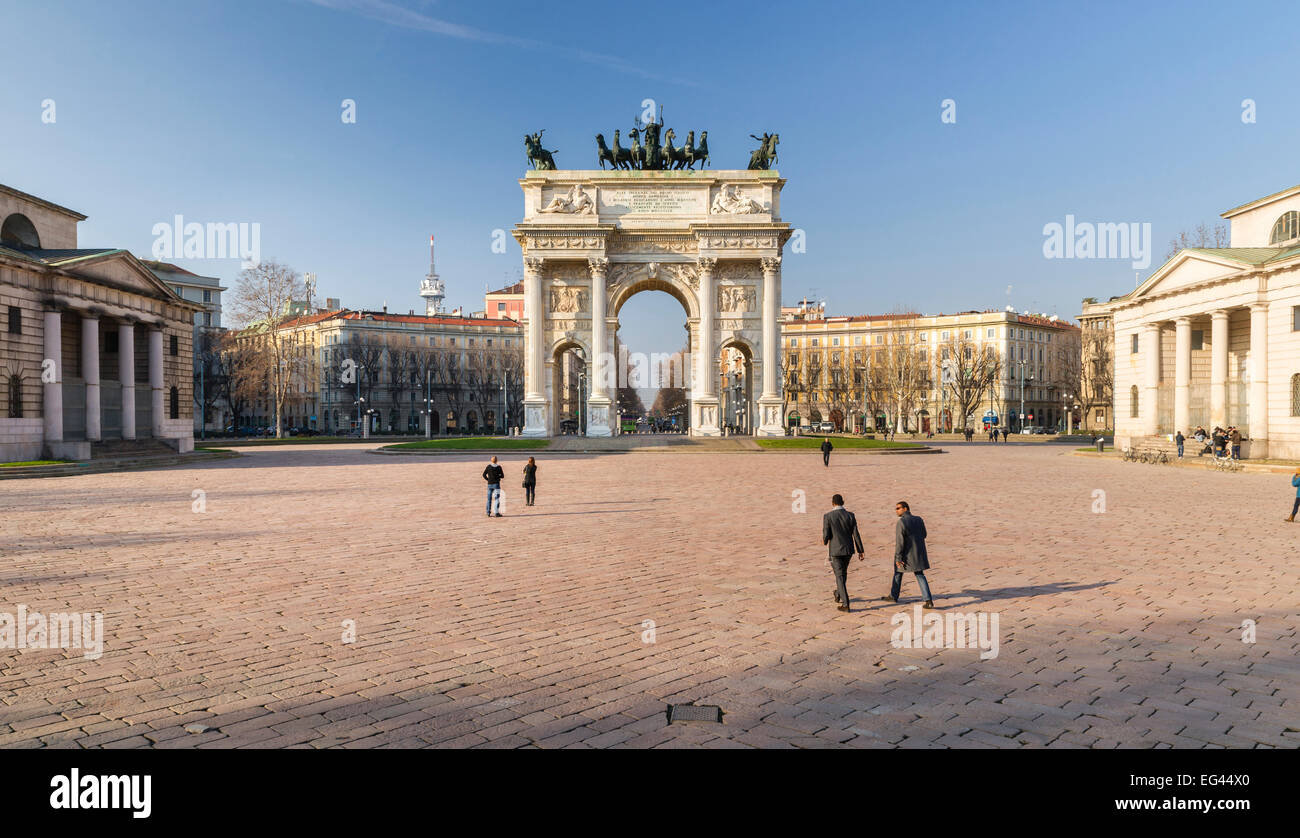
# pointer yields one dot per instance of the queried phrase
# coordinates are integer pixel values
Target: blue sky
(230, 111)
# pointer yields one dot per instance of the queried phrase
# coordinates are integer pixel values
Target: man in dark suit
(826, 451)
(909, 552)
(840, 532)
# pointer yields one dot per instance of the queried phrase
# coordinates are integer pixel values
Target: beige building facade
(1213, 337)
(93, 347)
(829, 360)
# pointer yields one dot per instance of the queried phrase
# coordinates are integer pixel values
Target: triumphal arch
(593, 238)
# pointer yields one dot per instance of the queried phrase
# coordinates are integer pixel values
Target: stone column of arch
(704, 398)
(770, 402)
(534, 364)
(605, 370)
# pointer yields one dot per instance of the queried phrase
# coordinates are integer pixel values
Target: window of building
(925, 336)
(207, 296)
(814, 343)
(15, 397)
(1198, 338)
(1286, 228)
(1295, 394)
(501, 306)
(880, 338)
(207, 318)
(794, 341)
(967, 334)
(1295, 318)
(966, 354)
(15, 320)
(835, 341)
(923, 356)
(451, 341)
(175, 348)
(944, 336)
(857, 340)
(1133, 402)
(174, 404)
(110, 342)
(1133, 345)
(794, 360)
(988, 333)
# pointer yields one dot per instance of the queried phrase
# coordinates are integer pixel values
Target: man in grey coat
(840, 532)
(909, 552)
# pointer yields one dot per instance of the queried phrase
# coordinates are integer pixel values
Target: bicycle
(1128, 454)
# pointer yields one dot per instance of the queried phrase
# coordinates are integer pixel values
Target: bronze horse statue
(674, 156)
(699, 152)
(764, 157)
(539, 157)
(603, 153)
(623, 158)
(637, 155)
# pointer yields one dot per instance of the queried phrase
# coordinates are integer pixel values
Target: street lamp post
(1021, 428)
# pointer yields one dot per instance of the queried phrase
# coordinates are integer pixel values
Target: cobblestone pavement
(1120, 627)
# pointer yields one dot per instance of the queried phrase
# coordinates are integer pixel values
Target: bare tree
(208, 388)
(1097, 374)
(900, 375)
(1202, 236)
(260, 305)
(967, 372)
(237, 377)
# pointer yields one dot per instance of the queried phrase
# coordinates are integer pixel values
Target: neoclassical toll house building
(593, 239)
(1213, 336)
(93, 346)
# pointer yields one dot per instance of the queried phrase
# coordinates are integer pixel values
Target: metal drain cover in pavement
(694, 713)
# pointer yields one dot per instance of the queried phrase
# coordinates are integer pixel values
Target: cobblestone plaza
(229, 590)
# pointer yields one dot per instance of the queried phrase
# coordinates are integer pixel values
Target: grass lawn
(475, 443)
(34, 463)
(288, 440)
(798, 442)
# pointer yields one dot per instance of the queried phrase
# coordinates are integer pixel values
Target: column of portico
(534, 362)
(1219, 368)
(705, 399)
(90, 373)
(1150, 409)
(1183, 374)
(1258, 380)
(126, 373)
(156, 382)
(52, 377)
(770, 402)
(604, 369)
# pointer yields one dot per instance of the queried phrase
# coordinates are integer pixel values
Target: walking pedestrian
(530, 481)
(1295, 507)
(1004, 434)
(840, 533)
(493, 475)
(1179, 439)
(909, 553)
(827, 448)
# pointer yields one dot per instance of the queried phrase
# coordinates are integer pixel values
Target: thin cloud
(395, 15)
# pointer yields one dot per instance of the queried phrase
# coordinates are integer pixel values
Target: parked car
(826, 427)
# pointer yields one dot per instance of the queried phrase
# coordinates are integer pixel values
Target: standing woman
(530, 481)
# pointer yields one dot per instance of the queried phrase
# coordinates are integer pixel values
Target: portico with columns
(96, 348)
(593, 239)
(1212, 338)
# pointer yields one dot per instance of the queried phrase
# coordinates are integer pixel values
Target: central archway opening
(736, 388)
(652, 339)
